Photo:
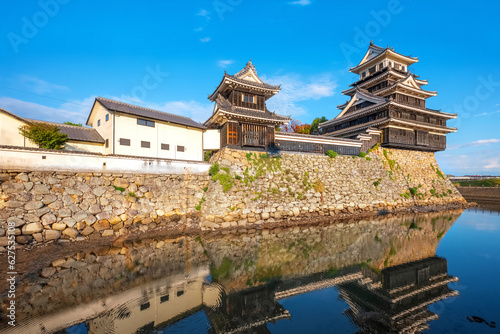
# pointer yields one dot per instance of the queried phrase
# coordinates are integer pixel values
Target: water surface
(432, 273)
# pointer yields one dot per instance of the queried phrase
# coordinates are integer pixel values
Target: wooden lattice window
(254, 135)
(232, 133)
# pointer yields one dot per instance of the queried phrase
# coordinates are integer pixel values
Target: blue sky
(57, 55)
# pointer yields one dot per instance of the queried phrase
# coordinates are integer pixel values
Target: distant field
(478, 183)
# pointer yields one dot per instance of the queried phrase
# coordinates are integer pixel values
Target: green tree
(44, 135)
(315, 124)
(71, 123)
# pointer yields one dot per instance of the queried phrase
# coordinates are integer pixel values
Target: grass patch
(120, 189)
(479, 183)
(331, 154)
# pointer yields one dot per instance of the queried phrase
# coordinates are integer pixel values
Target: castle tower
(240, 111)
(388, 102)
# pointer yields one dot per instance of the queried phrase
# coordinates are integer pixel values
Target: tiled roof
(148, 113)
(227, 106)
(78, 133)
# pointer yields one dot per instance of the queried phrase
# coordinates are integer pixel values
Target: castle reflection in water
(385, 270)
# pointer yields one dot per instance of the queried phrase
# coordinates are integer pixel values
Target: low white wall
(24, 160)
(211, 140)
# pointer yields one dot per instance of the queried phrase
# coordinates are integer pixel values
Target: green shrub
(214, 169)
(362, 154)
(368, 158)
(331, 154)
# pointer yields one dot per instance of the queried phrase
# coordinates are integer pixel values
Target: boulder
(48, 219)
(70, 232)
(40, 189)
(32, 228)
(101, 225)
(52, 234)
(33, 205)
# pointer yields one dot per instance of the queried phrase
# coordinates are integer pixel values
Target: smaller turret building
(240, 111)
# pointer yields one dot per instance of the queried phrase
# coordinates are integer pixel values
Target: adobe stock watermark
(363, 35)
(31, 26)
(224, 6)
(471, 103)
(150, 82)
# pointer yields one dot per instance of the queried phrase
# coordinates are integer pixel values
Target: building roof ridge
(143, 108)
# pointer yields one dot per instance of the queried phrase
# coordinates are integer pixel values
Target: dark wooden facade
(239, 135)
(389, 98)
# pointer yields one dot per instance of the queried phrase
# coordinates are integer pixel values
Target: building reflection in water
(247, 296)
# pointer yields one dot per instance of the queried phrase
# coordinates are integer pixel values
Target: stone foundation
(249, 189)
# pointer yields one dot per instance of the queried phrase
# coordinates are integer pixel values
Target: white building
(122, 129)
(79, 138)
(136, 131)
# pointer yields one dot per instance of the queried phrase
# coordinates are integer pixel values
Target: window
(164, 299)
(427, 120)
(413, 117)
(107, 143)
(180, 293)
(124, 142)
(248, 98)
(180, 148)
(145, 306)
(98, 122)
(145, 122)
(232, 133)
(165, 147)
(380, 66)
(372, 69)
(145, 144)
(107, 117)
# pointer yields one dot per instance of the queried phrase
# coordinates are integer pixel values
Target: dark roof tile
(148, 113)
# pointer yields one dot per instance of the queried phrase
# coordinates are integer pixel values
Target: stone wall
(253, 189)
(247, 190)
(43, 206)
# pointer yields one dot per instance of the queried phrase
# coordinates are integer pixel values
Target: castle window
(165, 147)
(248, 98)
(124, 142)
(98, 122)
(232, 133)
(107, 117)
(107, 143)
(180, 148)
(145, 144)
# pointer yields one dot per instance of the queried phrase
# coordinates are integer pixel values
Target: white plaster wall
(163, 133)
(211, 140)
(99, 112)
(23, 160)
(84, 146)
(9, 132)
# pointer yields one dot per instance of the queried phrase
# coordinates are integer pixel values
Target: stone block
(32, 228)
(51, 234)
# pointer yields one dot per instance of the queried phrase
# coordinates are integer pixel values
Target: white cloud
(488, 113)
(492, 163)
(204, 13)
(295, 90)
(205, 39)
(76, 112)
(481, 142)
(300, 2)
(40, 86)
(198, 29)
(224, 63)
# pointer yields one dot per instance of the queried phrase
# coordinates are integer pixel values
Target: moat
(433, 273)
